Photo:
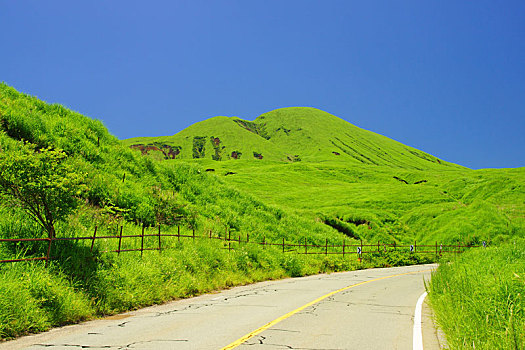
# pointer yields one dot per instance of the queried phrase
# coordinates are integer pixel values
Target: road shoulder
(431, 339)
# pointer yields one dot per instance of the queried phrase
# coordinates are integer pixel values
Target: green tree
(43, 182)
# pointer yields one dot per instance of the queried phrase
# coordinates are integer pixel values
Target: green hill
(218, 138)
(364, 185)
(287, 134)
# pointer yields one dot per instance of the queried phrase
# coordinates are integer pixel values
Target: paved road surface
(376, 314)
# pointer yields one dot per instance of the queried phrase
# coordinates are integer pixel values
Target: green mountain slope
(218, 138)
(318, 136)
(289, 134)
(386, 203)
(363, 184)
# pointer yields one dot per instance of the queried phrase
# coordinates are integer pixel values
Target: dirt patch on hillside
(169, 152)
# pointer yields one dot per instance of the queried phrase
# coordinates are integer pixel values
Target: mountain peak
(292, 134)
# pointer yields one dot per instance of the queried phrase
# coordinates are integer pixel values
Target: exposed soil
(168, 151)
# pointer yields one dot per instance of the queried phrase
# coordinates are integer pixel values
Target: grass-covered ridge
(363, 184)
(292, 134)
(123, 186)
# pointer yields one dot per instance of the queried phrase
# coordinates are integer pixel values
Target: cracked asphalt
(375, 315)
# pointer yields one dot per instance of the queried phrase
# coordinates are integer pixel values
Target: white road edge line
(417, 339)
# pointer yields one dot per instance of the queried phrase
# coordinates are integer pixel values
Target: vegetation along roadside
(478, 299)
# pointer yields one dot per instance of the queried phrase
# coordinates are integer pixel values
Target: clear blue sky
(446, 77)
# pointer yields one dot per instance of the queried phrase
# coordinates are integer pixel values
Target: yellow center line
(291, 313)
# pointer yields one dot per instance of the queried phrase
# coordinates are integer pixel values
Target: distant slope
(387, 203)
(318, 136)
(218, 138)
(288, 134)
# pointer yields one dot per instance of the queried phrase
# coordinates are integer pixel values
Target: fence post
(120, 240)
(326, 247)
(378, 249)
(361, 246)
(193, 230)
(159, 240)
(395, 246)
(247, 238)
(283, 244)
(142, 241)
(93, 241)
(305, 246)
(178, 233)
(229, 235)
(50, 239)
(209, 234)
(344, 242)
(415, 247)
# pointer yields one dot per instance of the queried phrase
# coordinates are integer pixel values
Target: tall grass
(479, 299)
(33, 299)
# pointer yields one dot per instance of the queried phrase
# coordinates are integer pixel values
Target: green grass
(374, 189)
(478, 299)
(404, 194)
(295, 134)
(452, 205)
(33, 299)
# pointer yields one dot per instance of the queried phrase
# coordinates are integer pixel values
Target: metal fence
(234, 242)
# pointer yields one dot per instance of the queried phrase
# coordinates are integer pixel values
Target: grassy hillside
(319, 136)
(216, 138)
(388, 203)
(122, 187)
(291, 135)
(361, 183)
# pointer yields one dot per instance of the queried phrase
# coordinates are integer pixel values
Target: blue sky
(446, 77)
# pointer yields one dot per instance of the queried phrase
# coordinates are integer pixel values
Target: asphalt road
(366, 309)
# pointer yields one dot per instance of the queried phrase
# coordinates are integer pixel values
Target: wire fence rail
(232, 243)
